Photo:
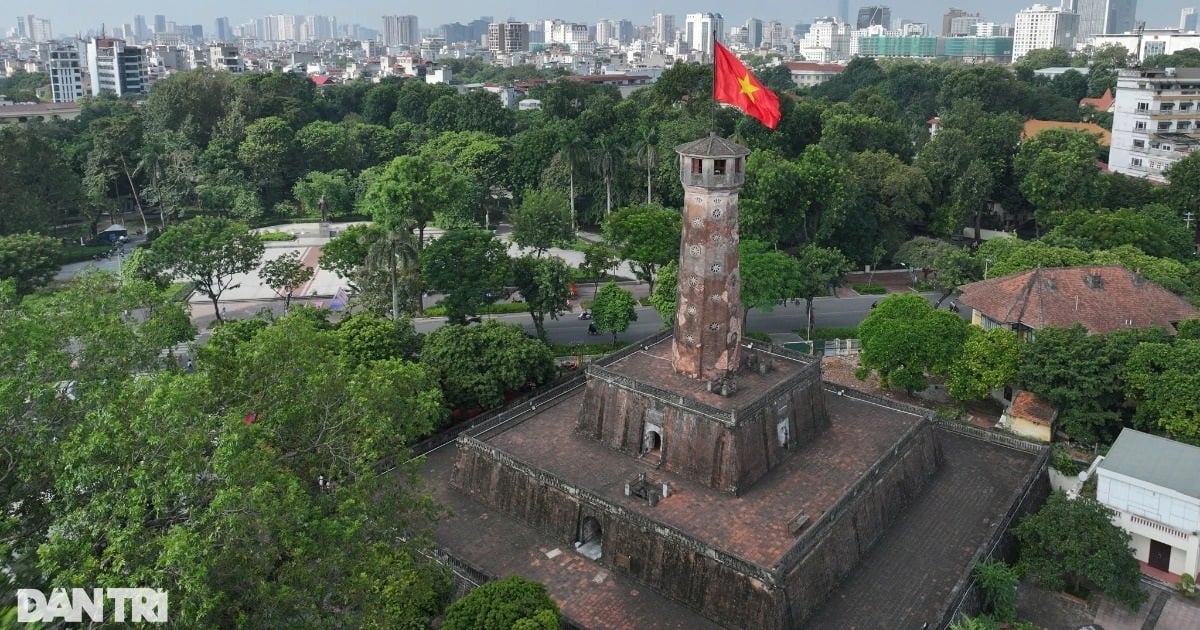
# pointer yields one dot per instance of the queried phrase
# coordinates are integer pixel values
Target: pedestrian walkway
(1164, 609)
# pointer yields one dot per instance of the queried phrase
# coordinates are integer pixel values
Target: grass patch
(823, 334)
(276, 236)
(178, 291)
(759, 336)
(82, 253)
(499, 308)
(589, 349)
(870, 289)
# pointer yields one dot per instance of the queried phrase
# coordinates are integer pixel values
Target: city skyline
(80, 17)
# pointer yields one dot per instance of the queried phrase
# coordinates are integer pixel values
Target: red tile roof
(1102, 298)
(1101, 104)
(1031, 407)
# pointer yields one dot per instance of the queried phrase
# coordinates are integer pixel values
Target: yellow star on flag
(748, 88)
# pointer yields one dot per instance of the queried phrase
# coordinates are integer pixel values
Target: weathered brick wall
(847, 534)
(719, 453)
(724, 588)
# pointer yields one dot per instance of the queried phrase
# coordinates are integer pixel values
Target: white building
(699, 29)
(400, 30)
(605, 30)
(1041, 26)
(1155, 120)
(664, 28)
(225, 58)
(826, 41)
(1098, 17)
(1153, 485)
(1153, 42)
(66, 73)
(116, 68)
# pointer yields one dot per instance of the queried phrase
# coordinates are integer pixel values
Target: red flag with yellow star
(733, 84)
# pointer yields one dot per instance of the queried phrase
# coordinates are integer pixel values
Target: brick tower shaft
(708, 319)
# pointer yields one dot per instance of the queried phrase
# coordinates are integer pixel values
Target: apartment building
(66, 73)
(1155, 120)
(116, 68)
(1041, 26)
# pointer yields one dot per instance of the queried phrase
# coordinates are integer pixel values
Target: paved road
(830, 313)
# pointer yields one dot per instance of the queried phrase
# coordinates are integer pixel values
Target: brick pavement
(906, 578)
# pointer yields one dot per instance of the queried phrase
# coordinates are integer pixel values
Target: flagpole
(712, 125)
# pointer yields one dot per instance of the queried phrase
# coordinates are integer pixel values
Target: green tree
(209, 251)
(1164, 381)
(606, 155)
(268, 154)
(346, 252)
(768, 276)
(904, 338)
(1057, 171)
(508, 604)
(1076, 541)
(767, 208)
(665, 293)
(38, 186)
(1080, 374)
(284, 465)
(1045, 58)
(406, 196)
(333, 188)
(645, 235)
(613, 309)
(820, 269)
(645, 148)
(366, 338)
(1184, 178)
(542, 220)
(545, 285)
(989, 360)
(573, 148)
(29, 260)
(599, 260)
(285, 275)
(470, 266)
(477, 365)
(998, 582)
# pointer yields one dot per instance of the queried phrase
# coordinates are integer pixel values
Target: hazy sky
(72, 16)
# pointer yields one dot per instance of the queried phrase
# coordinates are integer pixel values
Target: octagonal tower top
(712, 162)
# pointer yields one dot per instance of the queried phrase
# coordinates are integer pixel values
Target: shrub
(1186, 585)
(1060, 460)
(276, 236)
(575, 349)
(870, 289)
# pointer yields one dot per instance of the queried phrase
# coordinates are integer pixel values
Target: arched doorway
(591, 538)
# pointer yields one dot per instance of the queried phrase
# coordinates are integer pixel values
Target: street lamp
(912, 274)
(986, 263)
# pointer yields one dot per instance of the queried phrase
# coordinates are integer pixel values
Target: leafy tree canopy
(1076, 541)
(613, 309)
(513, 603)
(478, 364)
(209, 251)
(904, 338)
(470, 266)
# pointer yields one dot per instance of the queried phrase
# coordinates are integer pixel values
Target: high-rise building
(400, 30)
(116, 68)
(624, 31)
(221, 30)
(1187, 19)
(160, 24)
(699, 30)
(754, 32)
(1100, 17)
(225, 58)
(508, 37)
(140, 30)
(964, 26)
(317, 28)
(1041, 26)
(605, 30)
(844, 11)
(664, 27)
(34, 28)
(66, 75)
(874, 16)
(948, 21)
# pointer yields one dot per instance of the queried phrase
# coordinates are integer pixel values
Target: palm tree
(646, 150)
(574, 149)
(607, 153)
(396, 251)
